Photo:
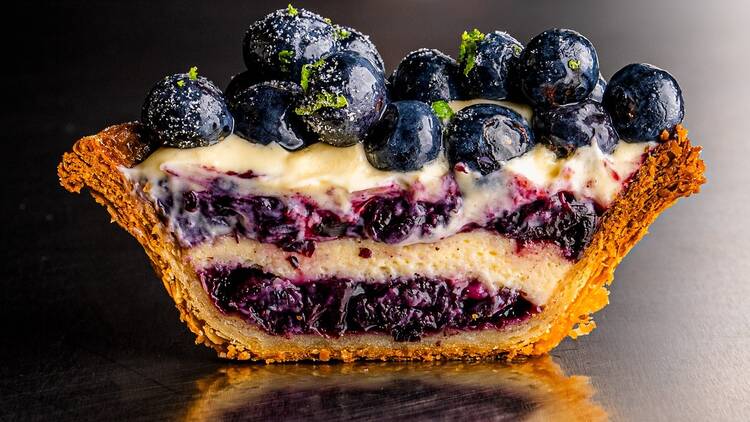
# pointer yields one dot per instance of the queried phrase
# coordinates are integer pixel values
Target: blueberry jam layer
(406, 308)
(296, 223)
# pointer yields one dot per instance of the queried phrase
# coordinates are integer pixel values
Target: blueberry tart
(464, 208)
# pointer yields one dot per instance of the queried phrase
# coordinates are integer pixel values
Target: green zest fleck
(291, 10)
(342, 33)
(328, 21)
(443, 110)
(574, 64)
(180, 83)
(517, 49)
(307, 70)
(193, 73)
(285, 57)
(468, 50)
(323, 99)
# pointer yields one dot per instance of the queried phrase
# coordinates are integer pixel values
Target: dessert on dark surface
(316, 209)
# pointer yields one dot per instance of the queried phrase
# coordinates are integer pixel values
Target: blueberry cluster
(405, 308)
(309, 80)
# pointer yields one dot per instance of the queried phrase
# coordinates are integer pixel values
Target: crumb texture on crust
(674, 169)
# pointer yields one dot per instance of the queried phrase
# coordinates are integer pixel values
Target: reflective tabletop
(89, 334)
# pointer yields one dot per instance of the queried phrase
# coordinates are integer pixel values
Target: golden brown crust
(672, 170)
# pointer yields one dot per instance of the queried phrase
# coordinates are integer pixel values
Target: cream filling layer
(489, 258)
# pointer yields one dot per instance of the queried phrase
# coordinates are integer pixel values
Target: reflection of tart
(535, 390)
(334, 224)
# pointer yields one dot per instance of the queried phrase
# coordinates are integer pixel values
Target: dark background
(88, 332)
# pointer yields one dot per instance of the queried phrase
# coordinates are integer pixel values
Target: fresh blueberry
(239, 82)
(644, 101)
(406, 137)
(568, 127)
(484, 136)
(344, 96)
(352, 40)
(558, 66)
(186, 111)
(278, 45)
(263, 113)
(489, 62)
(598, 93)
(428, 76)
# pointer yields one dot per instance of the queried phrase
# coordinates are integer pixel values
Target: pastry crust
(672, 170)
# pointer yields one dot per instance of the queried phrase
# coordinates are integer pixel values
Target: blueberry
(352, 40)
(186, 111)
(427, 76)
(406, 137)
(489, 63)
(344, 95)
(391, 220)
(278, 45)
(643, 101)
(558, 66)
(484, 136)
(240, 82)
(263, 113)
(568, 127)
(598, 93)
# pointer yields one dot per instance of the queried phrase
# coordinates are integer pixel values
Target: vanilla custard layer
(478, 255)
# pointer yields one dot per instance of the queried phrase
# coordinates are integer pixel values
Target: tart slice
(463, 209)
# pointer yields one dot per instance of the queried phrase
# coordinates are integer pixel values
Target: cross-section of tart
(317, 210)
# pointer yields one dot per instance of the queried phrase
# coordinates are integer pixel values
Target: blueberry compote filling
(405, 308)
(295, 223)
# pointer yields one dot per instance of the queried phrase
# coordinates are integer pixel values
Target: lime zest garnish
(307, 70)
(517, 49)
(180, 83)
(574, 64)
(328, 21)
(442, 110)
(285, 57)
(193, 73)
(291, 10)
(467, 52)
(323, 99)
(342, 33)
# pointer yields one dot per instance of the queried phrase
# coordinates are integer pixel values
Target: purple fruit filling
(296, 223)
(407, 309)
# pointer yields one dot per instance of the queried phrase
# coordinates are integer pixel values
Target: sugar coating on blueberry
(644, 101)
(489, 63)
(484, 136)
(344, 96)
(406, 137)
(426, 75)
(566, 128)
(278, 45)
(558, 66)
(186, 111)
(263, 113)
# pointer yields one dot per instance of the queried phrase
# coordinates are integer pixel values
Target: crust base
(674, 169)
